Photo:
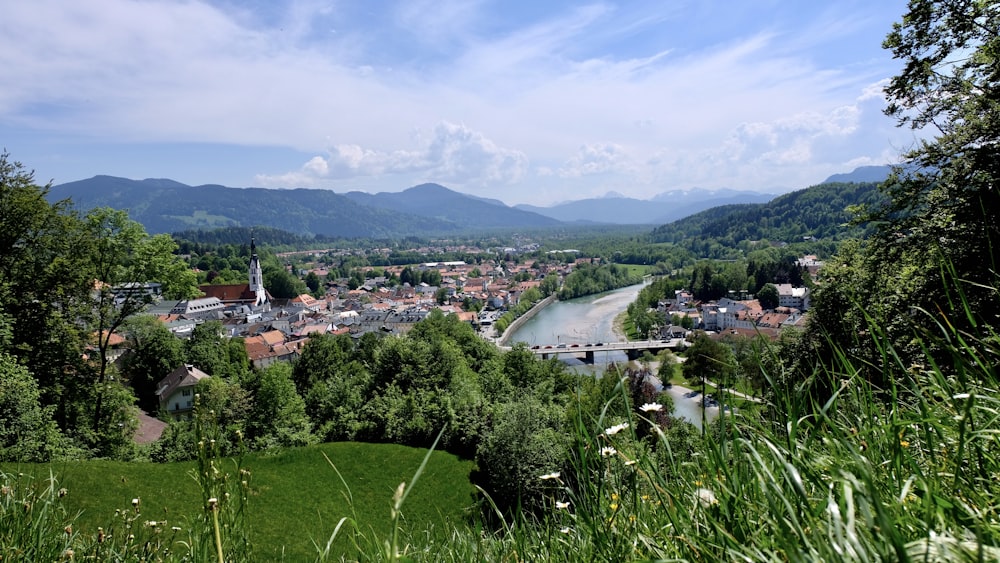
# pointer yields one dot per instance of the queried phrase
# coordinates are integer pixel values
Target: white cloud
(572, 90)
(596, 159)
(453, 153)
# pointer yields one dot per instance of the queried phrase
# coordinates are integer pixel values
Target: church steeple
(256, 275)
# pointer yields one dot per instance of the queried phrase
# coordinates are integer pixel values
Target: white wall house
(176, 390)
(793, 297)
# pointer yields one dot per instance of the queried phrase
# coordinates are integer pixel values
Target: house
(793, 297)
(176, 391)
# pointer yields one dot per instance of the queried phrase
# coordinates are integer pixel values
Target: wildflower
(630, 462)
(547, 476)
(68, 554)
(63, 492)
(69, 530)
(562, 505)
(175, 528)
(608, 451)
(706, 497)
(135, 503)
(651, 407)
(613, 506)
(614, 496)
(5, 490)
(616, 429)
(213, 503)
(904, 443)
(565, 530)
(100, 535)
(151, 523)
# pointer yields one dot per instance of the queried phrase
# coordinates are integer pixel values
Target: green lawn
(298, 496)
(637, 269)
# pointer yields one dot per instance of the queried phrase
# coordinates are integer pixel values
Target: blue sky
(523, 101)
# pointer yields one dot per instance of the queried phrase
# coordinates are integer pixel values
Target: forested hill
(820, 212)
(165, 206)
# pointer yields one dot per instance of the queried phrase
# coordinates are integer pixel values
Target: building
(176, 391)
(793, 297)
(252, 295)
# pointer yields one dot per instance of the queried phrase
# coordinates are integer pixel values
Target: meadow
(296, 497)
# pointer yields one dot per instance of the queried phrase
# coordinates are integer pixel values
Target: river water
(590, 319)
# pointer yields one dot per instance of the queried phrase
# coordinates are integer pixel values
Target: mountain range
(166, 206)
(661, 208)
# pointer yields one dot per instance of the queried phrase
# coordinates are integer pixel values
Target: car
(574, 346)
(563, 345)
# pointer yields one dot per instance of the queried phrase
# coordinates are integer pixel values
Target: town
(276, 330)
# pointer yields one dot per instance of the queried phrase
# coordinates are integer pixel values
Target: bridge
(633, 349)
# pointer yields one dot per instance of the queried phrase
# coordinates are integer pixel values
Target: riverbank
(618, 326)
(516, 324)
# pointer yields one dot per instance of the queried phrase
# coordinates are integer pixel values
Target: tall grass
(908, 472)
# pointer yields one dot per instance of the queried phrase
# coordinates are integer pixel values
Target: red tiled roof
(229, 293)
(273, 337)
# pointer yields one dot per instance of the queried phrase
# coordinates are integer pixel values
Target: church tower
(256, 276)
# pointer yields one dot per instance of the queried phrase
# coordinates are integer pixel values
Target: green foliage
(588, 279)
(211, 351)
(278, 416)
(708, 359)
(768, 296)
(154, 353)
(27, 430)
(281, 284)
(527, 440)
(528, 299)
(819, 212)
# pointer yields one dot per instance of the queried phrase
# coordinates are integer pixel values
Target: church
(252, 295)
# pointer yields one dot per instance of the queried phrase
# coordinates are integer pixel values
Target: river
(591, 319)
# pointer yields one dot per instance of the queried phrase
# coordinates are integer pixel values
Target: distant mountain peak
(861, 174)
(613, 195)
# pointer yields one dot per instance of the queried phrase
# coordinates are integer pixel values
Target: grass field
(298, 496)
(637, 269)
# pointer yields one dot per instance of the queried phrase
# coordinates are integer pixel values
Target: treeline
(589, 278)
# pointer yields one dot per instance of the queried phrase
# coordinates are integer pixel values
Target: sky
(519, 100)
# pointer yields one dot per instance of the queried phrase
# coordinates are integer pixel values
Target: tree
(312, 281)
(932, 259)
(27, 430)
(282, 284)
(942, 203)
(441, 296)
(121, 256)
(708, 359)
(278, 416)
(45, 288)
(768, 296)
(154, 352)
(212, 352)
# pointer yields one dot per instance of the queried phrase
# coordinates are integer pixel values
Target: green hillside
(297, 496)
(820, 212)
